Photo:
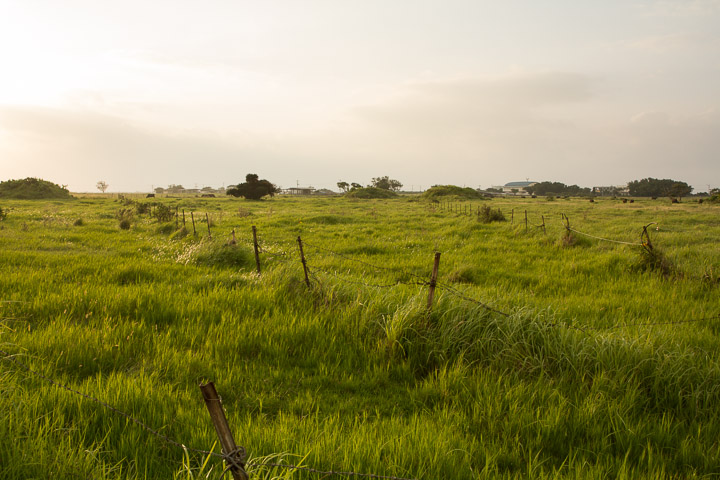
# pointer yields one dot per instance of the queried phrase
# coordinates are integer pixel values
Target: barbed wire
(352, 259)
(635, 244)
(460, 294)
(371, 285)
(235, 459)
(11, 357)
(325, 472)
(652, 324)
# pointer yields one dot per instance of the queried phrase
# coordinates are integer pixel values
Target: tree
(386, 183)
(355, 186)
(679, 190)
(253, 188)
(102, 185)
(556, 188)
(654, 187)
(344, 186)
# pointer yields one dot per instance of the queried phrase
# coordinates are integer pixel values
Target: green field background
(543, 356)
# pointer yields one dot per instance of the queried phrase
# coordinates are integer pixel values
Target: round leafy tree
(253, 188)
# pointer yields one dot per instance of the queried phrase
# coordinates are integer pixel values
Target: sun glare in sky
(474, 93)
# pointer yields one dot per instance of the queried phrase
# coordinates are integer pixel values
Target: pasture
(543, 356)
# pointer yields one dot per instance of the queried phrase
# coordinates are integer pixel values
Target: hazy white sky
(143, 93)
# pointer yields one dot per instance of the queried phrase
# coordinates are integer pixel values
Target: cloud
(470, 105)
(669, 43)
(80, 146)
(682, 8)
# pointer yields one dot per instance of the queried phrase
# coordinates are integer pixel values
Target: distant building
(299, 191)
(515, 188)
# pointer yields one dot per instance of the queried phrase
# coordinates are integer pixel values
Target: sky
(474, 93)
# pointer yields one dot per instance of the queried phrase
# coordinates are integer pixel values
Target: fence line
(229, 457)
(634, 244)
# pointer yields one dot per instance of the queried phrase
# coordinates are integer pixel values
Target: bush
(125, 224)
(371, 192)
(33, 189)
(142, 208)
(3, 214)
(163, 213)
(487, 215)
(79, 222)
(436, 191)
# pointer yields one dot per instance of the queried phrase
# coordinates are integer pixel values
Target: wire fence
(281, 251)
(231, 458)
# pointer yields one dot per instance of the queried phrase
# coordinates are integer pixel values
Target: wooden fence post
(512, 216)
(207, 219)
(304, 263)
(214, 406)
(192, 217)
(176, 218)
(526, 220)
(433, 280)
(255, 245)
(543, 224)
(183, 217)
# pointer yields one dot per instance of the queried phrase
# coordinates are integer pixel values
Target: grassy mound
(371, 192)
(32, 189)
(450, 190)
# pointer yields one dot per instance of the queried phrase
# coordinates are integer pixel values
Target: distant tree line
(653, 187)
(556, 188)
(383, 183)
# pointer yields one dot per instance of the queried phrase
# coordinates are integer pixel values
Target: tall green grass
(589, 375)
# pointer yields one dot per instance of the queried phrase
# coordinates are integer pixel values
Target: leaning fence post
(255, 245)
(234, 456)
(207, 219)
(304, 263)
(433, 280)
(192, 217)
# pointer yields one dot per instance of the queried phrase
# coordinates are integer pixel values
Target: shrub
(32, 189)
(3, 214)
(487, 215)
(125, 224)
(436, 191)
(79, 222)
(163, 213)
(142, 208)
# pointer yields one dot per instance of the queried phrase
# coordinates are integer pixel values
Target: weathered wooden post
(176, 218)
(433, 280)
(207, 219)
(257, 252)
(217, 415)
(304, 263)
(512, 216)
(543, 224)
(192, 217)
(183, 217)
(525, 220)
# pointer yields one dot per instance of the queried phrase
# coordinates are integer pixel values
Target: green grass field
(600, 364)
